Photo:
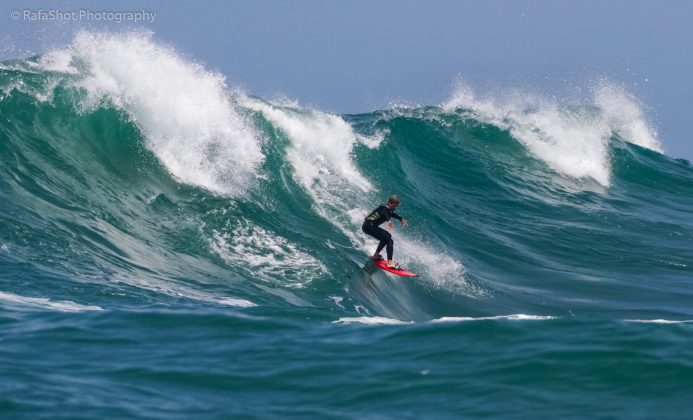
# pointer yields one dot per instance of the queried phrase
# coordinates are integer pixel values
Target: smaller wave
(573, 141)
(45, 303)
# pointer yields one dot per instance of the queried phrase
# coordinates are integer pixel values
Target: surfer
(371, 226)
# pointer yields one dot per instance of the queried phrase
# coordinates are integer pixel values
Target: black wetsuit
(371, 227)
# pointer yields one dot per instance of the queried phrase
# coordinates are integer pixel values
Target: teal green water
(165, 265)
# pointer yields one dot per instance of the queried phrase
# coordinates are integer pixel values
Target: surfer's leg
(390, 250)
(383, 236)
(385, 241)
(370, 231)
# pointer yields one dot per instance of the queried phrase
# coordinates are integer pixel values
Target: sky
(361, 55)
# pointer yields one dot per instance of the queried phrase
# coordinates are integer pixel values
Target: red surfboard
(399, 271)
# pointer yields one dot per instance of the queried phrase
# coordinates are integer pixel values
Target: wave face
(143, 201)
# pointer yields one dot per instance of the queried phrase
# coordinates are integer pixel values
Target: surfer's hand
(405, 223)
(389, 225)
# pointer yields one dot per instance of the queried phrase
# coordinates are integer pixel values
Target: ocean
(175, 247)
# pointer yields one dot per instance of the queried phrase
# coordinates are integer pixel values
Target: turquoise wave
(152, 248)
(86, 198)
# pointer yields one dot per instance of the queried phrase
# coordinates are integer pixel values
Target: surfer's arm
(401, 219)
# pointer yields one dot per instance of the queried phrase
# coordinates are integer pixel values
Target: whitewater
(174, 246)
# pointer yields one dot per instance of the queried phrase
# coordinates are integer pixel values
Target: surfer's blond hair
(393, 199)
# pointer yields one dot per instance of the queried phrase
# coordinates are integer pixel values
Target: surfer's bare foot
(390, 264)
(376, 257)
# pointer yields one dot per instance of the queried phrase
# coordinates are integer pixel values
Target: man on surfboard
(371, 226)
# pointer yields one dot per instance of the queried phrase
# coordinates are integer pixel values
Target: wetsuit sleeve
(396, 216)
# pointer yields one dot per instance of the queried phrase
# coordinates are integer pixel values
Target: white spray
(574, 141)
(182, 109)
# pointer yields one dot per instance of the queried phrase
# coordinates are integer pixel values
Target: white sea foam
(374, 141)
(379, 320)
(183, 291)
(370, 320)
(337, 300)
(660, 321)
(572, 141)
(58, 61)
(320, 151)
(266, 254)
(229, 301)
(438, 266)
(513, 317)
(45, 303)
(183, 110)
(624, 115)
